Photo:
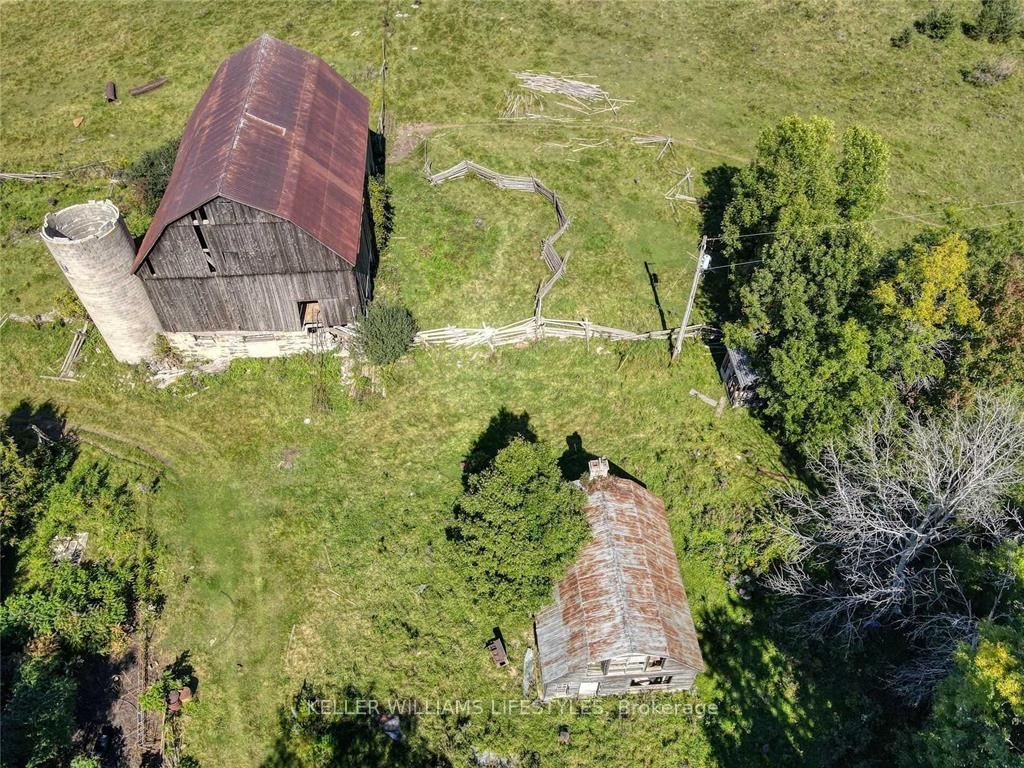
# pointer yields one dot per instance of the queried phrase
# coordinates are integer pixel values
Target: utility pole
(383, 75)
(703, 262)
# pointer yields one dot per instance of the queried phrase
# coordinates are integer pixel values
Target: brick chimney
(598, 468)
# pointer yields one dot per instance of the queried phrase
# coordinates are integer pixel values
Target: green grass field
(317, 551)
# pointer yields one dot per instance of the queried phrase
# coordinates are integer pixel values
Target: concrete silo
(93, 247)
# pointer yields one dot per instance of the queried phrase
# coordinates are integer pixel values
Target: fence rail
(554, 261)
(537, 327)
(530, 329)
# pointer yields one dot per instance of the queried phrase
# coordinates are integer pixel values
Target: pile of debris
(579, 96)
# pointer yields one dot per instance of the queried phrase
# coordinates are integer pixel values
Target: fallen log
(701, 396)
(778, 476)
(111, 91)
(152, 85)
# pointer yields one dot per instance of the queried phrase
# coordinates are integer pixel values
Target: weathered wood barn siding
(267, 206)
(621, 620)
(258, 270)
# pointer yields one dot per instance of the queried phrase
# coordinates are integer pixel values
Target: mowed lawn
(317, 550)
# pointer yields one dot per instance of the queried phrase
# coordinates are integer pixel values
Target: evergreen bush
(386, 332)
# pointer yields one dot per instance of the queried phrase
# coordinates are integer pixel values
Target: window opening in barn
(200, 216)
(623, 665)
(202, 241)
(309, 313)
(202, 238)
(644, 682)
(655, 663)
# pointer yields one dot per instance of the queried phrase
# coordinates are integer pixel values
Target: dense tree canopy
(796, 212)
(994, 355)
(39, 716)
(977, 720)
(926, 306)
(57, 611)
(518, 525)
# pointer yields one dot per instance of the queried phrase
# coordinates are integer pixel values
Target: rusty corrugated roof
(279, 130)
(624, 594)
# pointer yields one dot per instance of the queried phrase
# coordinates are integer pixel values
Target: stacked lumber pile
(588, 99)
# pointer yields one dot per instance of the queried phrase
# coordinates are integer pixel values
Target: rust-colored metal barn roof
(623, 595)
(279, 130)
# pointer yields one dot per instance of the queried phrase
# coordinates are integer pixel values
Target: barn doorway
(309, 314)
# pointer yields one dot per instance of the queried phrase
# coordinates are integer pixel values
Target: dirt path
(408, 137)
(111, 725)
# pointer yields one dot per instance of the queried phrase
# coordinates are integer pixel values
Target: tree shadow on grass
(101, 716)
(575, 460)
(35, 426)
(785, 703)
(347, 728)
(502, 429)
(714, 298)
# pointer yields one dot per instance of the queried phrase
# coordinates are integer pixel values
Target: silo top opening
(80, 222)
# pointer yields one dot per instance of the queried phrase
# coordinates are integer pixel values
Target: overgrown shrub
(151, 172)
(937, 23)
(991, 71)
(27, 472)
(386, 332)
(88, 607)
(163, 350)
(999, 20)
(902, 38)
(154, 698)
(40, 712)
(381, 210)
(69, 307)
(518, 525)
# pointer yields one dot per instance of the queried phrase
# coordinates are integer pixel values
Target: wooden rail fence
(537, 327)
(555, 262)
(530, 329)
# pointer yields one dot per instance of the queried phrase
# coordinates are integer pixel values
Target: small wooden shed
(265, 224)
(739, 377)
(620, 621)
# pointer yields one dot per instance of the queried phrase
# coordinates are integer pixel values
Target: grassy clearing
(338, 546)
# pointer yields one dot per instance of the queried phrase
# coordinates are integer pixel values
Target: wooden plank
(152, 85)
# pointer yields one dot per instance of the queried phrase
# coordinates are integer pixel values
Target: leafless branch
(867, 552)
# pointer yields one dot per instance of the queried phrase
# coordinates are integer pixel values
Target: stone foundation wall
(227, 345)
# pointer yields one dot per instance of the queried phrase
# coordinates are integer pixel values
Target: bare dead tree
(868, 550)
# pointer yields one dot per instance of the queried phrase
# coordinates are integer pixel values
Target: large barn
(620, 621)
(265, 224)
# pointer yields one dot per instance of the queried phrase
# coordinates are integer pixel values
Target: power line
(758, 261)
(738, 264)
(1002, 204)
